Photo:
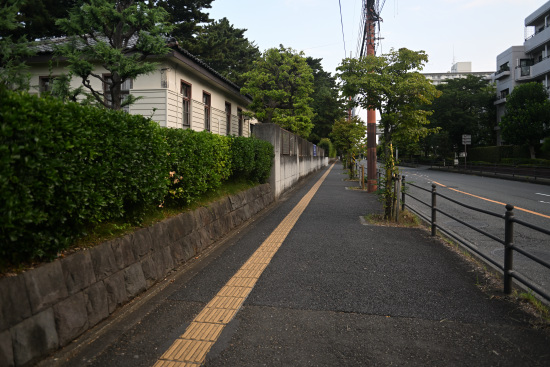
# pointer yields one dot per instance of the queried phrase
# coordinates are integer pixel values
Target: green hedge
(66, 166)
(496, 154)
(63, 166)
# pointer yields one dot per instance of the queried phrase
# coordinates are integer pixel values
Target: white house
(183, 92)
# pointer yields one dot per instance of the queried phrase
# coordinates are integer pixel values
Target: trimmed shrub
(64, 166)
(197, 162)
(251, 159)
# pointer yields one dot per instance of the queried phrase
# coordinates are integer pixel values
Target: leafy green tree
(118, 35)
(281, 84)
(186, 16)
(37, 18)
(327, 104)
(225, 49)
(347, 135)
(466, 106)
(13, 50)
(393, 85)
(527, 118)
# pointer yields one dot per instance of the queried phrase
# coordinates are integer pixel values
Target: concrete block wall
(46, 308)
(287, 169)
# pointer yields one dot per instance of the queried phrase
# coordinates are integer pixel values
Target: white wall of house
(161, 98)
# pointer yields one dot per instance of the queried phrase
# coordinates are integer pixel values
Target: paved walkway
(306, 284)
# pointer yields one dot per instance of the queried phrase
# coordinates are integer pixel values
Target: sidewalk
(335, 293)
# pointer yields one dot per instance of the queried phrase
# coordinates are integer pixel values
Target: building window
(124, 90)
(504, 93)
(186, 99)
(240, 115)
(206, 100)
(45, 84)
(228, 118)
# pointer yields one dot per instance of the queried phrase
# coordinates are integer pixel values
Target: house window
(228, 118)
(240, 115)
(124, 90)
(206, 100)
(186, 92)
(45, 84)
(504, 93)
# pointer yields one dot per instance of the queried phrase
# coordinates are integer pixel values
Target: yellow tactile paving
(203, 331)
(193, 346)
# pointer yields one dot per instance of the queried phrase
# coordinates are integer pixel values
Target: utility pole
(370, 26)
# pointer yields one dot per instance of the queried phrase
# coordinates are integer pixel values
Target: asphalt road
(337, 293)
(531, 202)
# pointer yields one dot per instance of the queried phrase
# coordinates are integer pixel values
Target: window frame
(123, 92)
(241, 120)
(228, 118)
(186, 100)
(207, 102)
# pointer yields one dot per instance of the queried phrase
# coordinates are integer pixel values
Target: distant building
(458, 70)
(527, 63)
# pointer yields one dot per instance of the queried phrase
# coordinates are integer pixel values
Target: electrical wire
(342, 23)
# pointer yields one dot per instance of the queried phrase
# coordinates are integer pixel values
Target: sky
(447, 30)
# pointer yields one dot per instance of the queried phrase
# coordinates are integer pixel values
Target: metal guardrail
(495, 170)
(508, 241)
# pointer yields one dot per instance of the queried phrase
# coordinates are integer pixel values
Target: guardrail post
(403, 193)
(508, 248)
(434, 211)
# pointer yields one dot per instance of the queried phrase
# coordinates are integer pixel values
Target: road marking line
(493, 201)
(538, 193)
(191, 348)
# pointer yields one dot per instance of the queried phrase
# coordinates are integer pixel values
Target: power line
(342, 23)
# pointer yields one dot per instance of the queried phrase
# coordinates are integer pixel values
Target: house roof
(47, 47)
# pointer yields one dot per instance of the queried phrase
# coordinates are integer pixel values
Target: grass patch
(103, 232)
(540, 308)
(406, 219)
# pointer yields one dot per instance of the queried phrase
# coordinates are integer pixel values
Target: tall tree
(393, 85)
(37, 18)
(327, 104)
(118, 35)
(466, 106)
(281, 84)
(347, 135)
(186, 16)
(527, 118)
(225, 49)
(13, 50)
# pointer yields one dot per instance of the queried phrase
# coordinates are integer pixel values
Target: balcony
(500, 101)
(541, 68)
(523, 73)
(537, 40)
(502, 74)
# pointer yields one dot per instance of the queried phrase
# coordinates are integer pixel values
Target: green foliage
(197, 162)
(13, 50)
(281, 84)
(330, 150)
(103, 33)
(251, 159)
(327, 104)
(186, 15)
(225, 49)
(393, 85)
(347, 136)
(37, 18)
(64, 166)
(527, 119)
(466, 106)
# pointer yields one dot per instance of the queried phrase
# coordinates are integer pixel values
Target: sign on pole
(466, 140)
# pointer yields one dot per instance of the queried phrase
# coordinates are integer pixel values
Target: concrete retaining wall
(294, 157)
(47, 307)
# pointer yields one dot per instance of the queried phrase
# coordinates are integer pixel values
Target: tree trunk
(532, 151)
(388, 189)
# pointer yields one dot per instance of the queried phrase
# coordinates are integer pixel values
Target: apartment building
(525, 63)
(458, 70)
